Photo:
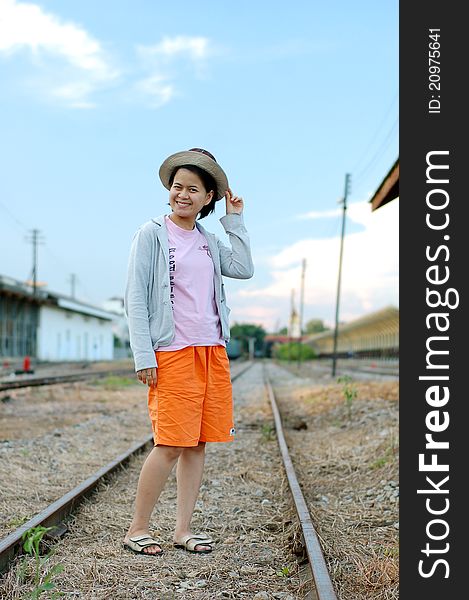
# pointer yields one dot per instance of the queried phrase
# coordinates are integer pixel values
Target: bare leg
(153, 476)
(189, 477)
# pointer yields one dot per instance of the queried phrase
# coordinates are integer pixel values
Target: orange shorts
(192, 401)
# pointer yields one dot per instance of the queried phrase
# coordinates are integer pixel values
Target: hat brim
(191, 157)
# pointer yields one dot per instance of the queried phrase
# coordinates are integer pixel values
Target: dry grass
(347, 464)
(346, 458)
(244, 504)
(54, 437)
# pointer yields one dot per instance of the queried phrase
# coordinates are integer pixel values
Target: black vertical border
(422, 132)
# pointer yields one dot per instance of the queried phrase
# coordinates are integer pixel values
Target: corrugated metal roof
(13, 287)
(380, 321)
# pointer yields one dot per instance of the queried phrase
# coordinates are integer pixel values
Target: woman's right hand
(234, 204)
(148, 376)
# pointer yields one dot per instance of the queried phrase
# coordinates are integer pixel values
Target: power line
(379, 152)
(35, 234)
(370, 143)
(12, 216)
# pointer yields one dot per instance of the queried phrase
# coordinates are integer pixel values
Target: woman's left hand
(234, 204)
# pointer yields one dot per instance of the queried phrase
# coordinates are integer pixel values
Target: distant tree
(244, 331)
(315, 326)
(293, 350)
(283, 331)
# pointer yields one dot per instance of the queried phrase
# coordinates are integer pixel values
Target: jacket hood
(158, 220)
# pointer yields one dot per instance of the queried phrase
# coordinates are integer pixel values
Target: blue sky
(289, 97)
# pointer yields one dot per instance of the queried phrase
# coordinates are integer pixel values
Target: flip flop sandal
(138, 543)
(189, 543)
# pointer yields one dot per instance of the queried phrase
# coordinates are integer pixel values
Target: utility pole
(35, 239)
(251, 342)
(290, 327)
(73, 279)
(336, 329)
(302, 295)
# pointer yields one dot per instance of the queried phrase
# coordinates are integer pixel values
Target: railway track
(349, 367)
(356, 369)
(56, 513)
(66, 378)
(323, 588)
(316, 581)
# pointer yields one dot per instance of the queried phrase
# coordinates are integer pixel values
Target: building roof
(282, 339)
(380, 321)
(14, 288)
(388, 189)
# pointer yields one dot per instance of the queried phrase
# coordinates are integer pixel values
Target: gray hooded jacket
(147, 295)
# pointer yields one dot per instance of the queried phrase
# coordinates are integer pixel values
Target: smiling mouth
(179, 203)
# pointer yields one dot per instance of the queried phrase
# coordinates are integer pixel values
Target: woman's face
(188, 195)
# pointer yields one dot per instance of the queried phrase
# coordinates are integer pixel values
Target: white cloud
(369, 271)
(314, 214)
(252, 313)
(166, 61)
(358, 212)
(194, 48)
(71, 66)
(75, 94)
(27, 26)
(157, 89)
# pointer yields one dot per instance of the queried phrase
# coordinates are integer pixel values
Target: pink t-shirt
(191, 277)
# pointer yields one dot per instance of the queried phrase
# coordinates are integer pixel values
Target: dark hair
(209, 185)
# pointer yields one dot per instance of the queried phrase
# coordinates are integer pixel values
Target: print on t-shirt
(172, 269)
(206, 248)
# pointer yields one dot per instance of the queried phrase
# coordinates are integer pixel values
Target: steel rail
(320, 573)
(5, 385)
(354, 371)
(56, 513)
(54, 379)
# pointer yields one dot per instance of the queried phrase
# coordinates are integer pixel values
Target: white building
(74, 331)
(52, 327)
(120, 327)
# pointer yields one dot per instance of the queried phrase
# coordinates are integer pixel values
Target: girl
(179, 326)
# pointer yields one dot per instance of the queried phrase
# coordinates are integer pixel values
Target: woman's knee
(199, 449)
(169, 452)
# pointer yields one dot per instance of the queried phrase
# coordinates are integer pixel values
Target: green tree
(244, 331)
(292, 350)
(315, 326)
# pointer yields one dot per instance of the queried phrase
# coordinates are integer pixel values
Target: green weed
(387, 457)
(115, 382)
(349, 391)
(391, 552)
(268, 432)
(17, 521)
(42, 576)
(284, 572)
(379, 462)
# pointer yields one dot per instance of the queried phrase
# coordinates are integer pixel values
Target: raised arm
(236, 261)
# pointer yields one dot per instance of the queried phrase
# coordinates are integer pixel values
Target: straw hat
(200, 158)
